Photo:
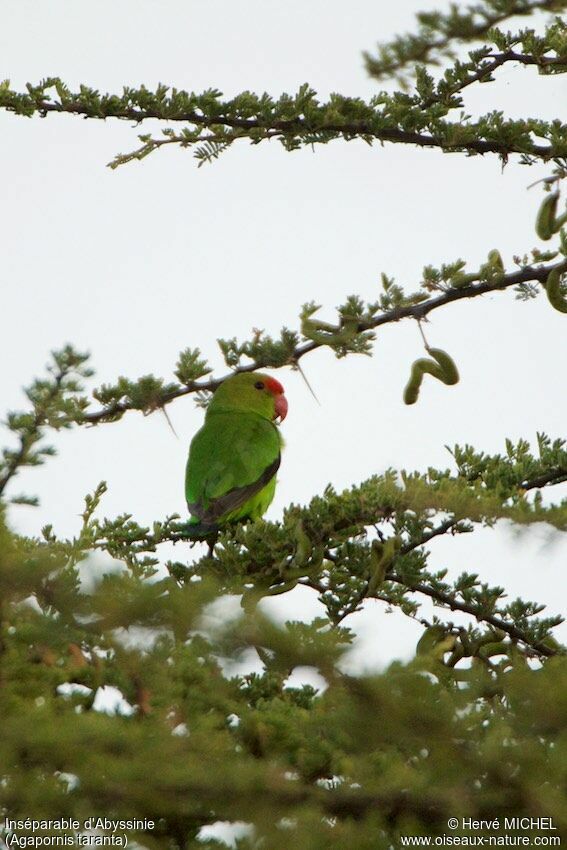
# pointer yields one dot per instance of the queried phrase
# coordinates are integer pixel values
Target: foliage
(212, 124)
(476, 724)
(372, 758)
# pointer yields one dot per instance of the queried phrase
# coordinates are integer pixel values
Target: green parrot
(234, 457)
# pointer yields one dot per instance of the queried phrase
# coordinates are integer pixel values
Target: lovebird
(234, 457)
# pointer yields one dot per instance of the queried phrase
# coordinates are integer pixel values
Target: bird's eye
(259, 385)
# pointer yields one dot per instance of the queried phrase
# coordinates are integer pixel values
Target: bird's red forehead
(274, 386)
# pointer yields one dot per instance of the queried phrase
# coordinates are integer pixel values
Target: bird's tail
(197, 530)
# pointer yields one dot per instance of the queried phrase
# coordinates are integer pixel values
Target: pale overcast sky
(136, 264)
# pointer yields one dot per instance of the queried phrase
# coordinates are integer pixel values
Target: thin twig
(363, 128)
(32, 433)
(488, 22)
(455, 605)
(487, 70)
(414, 311)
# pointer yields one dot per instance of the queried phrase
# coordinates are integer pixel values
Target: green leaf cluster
(56, 401)
(466, 729)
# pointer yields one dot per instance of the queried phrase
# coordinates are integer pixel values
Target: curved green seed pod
(377, 566)
(282, 588)
(381, 556)
(553, 289)
(324, 333)
(411, 391)
(317, 331)
(463, 279)
(435, 642)
(495, 260)
(546, 216)
(252, 596)
(428, 640)
(450, 373)
(487, 650)
(442, 367)
(418, 370)
(304, 546)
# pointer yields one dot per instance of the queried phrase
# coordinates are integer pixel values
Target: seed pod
(435, 642)
(324, 333)
(442, 367)
(381, 556)
(449, 372)
(495, 260)
(461, 279)
(553, 289)
(304, 546)
(546, 216)
(377, 565)
(411, 391)
(444, 370)
(559, 222)
(487, 650)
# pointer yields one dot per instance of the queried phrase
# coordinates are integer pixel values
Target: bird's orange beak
(280, 407)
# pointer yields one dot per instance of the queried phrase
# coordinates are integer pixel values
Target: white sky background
(139, 263)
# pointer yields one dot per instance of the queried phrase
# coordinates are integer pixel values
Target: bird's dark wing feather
(234, 498)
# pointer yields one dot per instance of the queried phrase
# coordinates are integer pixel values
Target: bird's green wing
(231, 459)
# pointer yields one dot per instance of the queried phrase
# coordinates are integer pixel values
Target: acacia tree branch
(295, 127)
(362, 595)
(554, 476)
(297, 121)
(357, 803)
(418, 312)
(459, 27)
(448, 601)
(485, 71)
(348, 130)
(32, 433)
(438, 595)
